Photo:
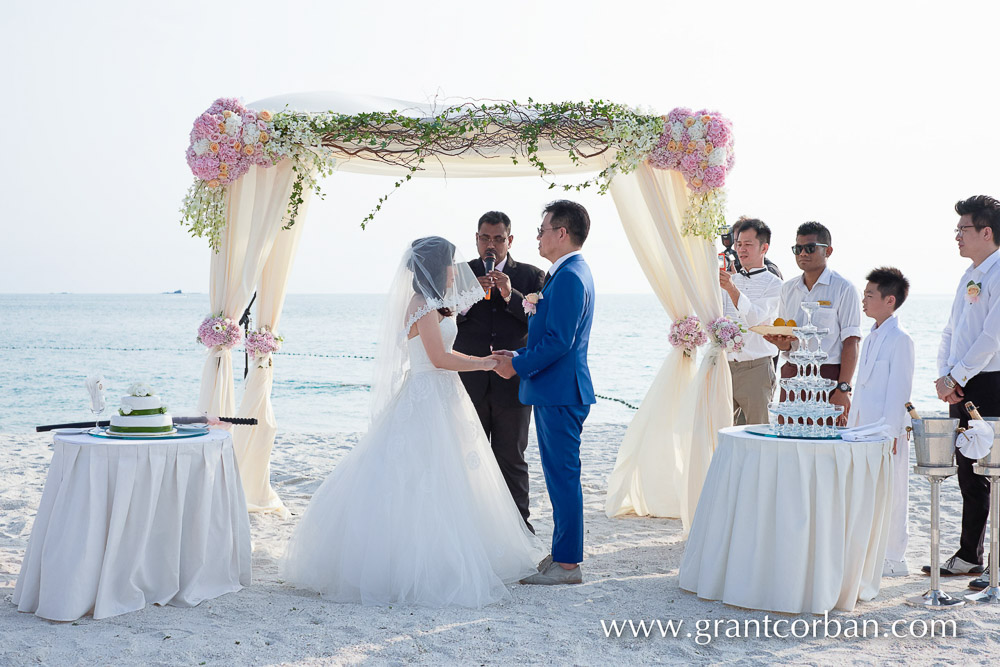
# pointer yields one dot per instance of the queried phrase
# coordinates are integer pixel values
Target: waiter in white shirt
(969, 362)
(750, 296)
(839, 311)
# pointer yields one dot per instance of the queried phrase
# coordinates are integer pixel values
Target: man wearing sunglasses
(969, 364)
(500, 323)
(839, 312)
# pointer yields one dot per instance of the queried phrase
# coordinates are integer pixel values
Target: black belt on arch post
(245, 321)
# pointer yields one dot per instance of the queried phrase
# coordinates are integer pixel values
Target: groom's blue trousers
(558, 428)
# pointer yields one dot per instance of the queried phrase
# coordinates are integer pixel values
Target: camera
(728, 256)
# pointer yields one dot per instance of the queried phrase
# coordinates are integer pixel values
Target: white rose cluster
(140, 389)
(233, 124)
(202, 146)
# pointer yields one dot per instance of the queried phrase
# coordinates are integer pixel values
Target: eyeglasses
(960, 230)
(542, 230)
(498, 240)
(808, 248)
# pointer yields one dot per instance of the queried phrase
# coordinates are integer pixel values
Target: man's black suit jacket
(502, 325)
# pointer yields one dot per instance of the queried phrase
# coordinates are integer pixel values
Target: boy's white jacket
(885, 378)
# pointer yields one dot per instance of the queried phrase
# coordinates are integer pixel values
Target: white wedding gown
(418, 512)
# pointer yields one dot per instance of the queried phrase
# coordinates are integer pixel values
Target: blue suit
(555, 379)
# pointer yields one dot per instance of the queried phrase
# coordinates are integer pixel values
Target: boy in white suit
(885, 377)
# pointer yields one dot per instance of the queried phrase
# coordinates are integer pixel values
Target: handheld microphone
(489, 263)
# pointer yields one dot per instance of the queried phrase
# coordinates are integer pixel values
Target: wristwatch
(949, 381)
(844, 387)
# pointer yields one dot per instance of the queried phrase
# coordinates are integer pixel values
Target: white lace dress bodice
(418, 512)
(419, 361)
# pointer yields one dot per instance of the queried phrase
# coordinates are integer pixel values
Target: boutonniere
(972, 291)
(530, 303)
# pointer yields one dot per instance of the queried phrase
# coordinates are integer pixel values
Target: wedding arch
(256, 167)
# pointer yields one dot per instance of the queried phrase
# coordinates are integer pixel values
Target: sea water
(50, 343)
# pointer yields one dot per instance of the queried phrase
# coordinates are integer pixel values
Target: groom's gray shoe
(545, 562)
(555, 574)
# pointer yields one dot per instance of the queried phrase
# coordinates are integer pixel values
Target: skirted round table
(790, 525)
(125, 523)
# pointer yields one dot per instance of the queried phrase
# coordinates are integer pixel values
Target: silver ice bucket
(934, 442)
(992, 460)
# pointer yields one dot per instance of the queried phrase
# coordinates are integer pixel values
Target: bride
(418, 511)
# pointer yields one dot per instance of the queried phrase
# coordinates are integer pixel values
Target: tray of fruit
(779, 328)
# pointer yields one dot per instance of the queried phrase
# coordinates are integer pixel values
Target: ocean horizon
(49, 343)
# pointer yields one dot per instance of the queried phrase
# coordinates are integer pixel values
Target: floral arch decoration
(257, 166)
(229, 138)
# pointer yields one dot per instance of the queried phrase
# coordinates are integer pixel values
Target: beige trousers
(753, 388)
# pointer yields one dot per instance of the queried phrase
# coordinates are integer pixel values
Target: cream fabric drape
(665, 456)
(649, 474)
(253, 244)
(255, 206)
(253, 444)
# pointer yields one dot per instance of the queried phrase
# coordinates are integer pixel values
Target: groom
(556, 381)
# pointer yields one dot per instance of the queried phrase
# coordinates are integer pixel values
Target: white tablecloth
(790, 525)
(124, 523)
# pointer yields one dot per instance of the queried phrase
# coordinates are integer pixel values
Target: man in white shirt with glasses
(751, 296)
(969, 364)
(839, 312)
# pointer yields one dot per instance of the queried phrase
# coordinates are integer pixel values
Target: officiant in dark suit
(499, 322)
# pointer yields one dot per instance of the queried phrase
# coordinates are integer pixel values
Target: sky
(873, 118)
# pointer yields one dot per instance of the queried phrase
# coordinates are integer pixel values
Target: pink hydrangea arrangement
(698, 144)
(687, 333)
(227, 140)
(262, 342)
(217, 330)
(728, 333)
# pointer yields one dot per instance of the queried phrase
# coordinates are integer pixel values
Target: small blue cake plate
(179, 431)
(765, 430)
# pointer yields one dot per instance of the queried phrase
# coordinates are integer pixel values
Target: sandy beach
(630, 572)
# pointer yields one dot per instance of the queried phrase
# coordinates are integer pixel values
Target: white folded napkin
(976, 441)
(867, 433)
(95, 387)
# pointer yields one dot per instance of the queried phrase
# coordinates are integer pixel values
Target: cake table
(125, 523)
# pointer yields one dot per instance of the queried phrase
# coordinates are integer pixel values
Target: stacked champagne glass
(806, 411)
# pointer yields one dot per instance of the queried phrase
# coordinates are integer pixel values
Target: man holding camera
(499, 322)
(751, 297)
(733, 258)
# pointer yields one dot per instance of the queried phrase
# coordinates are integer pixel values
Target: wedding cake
(141, 412)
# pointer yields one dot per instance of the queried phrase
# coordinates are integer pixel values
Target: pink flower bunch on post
(728, 333)
(687, 333)
(227, 140)
(699, 144)
(262, 342)
(219, 331)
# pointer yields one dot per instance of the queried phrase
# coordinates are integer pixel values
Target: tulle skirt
(418, 512)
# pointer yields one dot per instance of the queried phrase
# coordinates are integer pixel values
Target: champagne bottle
(973, 411)
(912, 410)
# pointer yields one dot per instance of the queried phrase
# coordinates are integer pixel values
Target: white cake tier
(142, 402)
(144, 421)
